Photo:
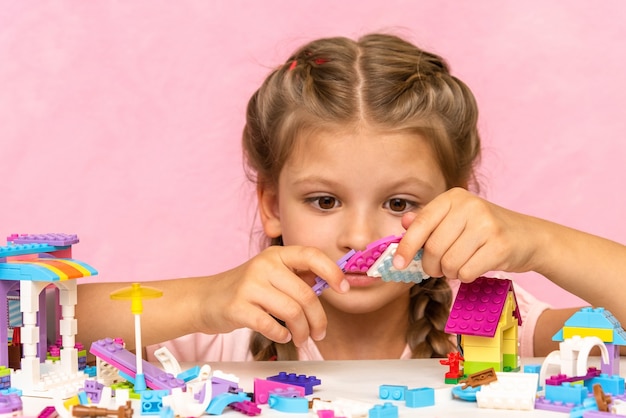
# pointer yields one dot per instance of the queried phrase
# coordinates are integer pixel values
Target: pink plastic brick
(478, 306)
(361, 261)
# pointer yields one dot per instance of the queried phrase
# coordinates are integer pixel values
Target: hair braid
(429, 310)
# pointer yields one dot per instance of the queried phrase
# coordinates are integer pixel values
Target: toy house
(29, 264)
(486, 317)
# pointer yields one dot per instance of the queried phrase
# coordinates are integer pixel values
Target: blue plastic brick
(293, 405)
(388, 410)
(419, 397)
(566, 393)
(220, 402)
(392, 392)
(152, 401)
(610, 384)
(189, 374)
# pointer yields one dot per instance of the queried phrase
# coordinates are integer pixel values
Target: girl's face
(341, 190)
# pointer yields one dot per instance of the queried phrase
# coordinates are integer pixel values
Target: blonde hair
(385, 82)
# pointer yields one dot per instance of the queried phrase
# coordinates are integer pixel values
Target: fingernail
(320, 336)
(344, 285)
(398, 262)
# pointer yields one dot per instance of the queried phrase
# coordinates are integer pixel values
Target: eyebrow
(316, 179)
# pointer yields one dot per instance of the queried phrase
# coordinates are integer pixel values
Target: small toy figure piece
(454, 362)
(125, 411)
(136, 294)
(479, 378)
(602, 400)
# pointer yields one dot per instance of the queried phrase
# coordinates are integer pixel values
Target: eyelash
(409, 205)
(315, 201)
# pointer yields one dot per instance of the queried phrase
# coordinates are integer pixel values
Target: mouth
(361, 280)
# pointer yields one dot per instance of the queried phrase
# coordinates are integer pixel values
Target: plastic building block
(392, 392)
(221, 385)
(566, 393)
(246, 407)
(387, 410)
(48, 412)
(478, 307)
(611, 384)
(479, 378)
(383, 267)
(168, 361)
(11, 405)
(468, 394)
(320, 284)
(363, 260)
(189, 374)
(93, 390)
(263, 388)
(220, 402)
(24, 249)
(342, 407)
(125, 411)
(288, 404)
(419, 397)
(189, 403)
(152, 401)
(510, 391)
(532, 368)
(59, 240)
(116, 355)
(307, 382)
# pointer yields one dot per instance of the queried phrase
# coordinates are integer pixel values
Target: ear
(268, 210)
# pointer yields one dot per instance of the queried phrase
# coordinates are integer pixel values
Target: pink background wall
(120, 121)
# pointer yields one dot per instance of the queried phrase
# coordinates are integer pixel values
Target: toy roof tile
(478, 307)
(595, 318)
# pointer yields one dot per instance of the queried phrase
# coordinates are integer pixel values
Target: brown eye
(397, 205)
(326, 202)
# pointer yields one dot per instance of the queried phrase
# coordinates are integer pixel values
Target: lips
(361, 280)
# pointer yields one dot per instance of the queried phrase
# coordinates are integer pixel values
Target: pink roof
(478, 307)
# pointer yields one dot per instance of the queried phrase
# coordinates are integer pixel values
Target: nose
(359, 228)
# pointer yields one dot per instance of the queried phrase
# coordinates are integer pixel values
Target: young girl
(348, 142)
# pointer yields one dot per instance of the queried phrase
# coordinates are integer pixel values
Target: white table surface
(359, 380)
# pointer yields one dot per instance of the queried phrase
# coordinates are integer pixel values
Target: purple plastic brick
(307, 382)
(58, 240)
(220, 386)
(321, 284)
(10, 403)
(93, 390)
(361, 261)
(478, 306)
(116, 355)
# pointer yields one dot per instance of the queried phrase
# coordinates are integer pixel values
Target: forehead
(354, 154)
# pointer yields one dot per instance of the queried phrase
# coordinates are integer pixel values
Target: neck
(373, 335)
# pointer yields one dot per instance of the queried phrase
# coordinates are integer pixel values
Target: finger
(314, 260)
(298, 306)
(476, 266)
(259, 320)
(461, 252)
(420, 228)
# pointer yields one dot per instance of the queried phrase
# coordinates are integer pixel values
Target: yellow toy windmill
(136, 294)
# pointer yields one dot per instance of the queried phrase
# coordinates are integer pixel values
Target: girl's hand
(274, 284)
(464, 237)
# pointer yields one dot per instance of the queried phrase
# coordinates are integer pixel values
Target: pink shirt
(204, 348)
